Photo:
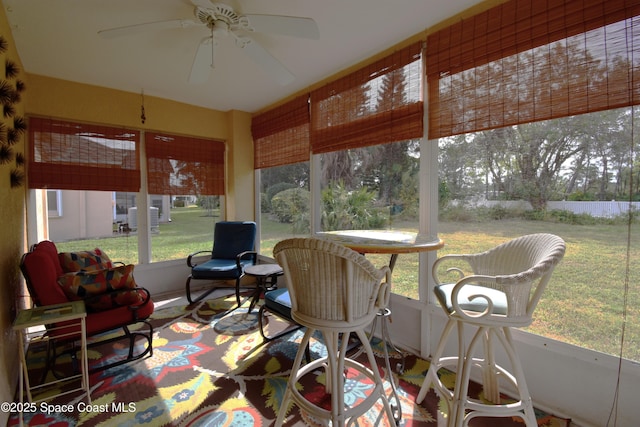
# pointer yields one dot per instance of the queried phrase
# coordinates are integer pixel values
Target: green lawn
(583, 303)
(190, 230)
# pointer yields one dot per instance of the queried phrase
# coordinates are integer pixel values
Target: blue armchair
(233, 250)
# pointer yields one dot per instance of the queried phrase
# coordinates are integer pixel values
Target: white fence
(610, 209)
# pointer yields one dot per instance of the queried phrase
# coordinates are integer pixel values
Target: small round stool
(266, 276)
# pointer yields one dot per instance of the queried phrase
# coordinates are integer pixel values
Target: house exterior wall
(85, 215)
(92, 214)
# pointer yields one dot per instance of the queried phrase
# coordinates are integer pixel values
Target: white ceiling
(59, 38)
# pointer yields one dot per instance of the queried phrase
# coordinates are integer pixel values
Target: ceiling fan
(222, 20)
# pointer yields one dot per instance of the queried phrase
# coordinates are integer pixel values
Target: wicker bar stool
(497, 290)
(336, 291)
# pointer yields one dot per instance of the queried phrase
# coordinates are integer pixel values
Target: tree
(539, 160)
(543, 148)
(456, 166)
(338, 166)
(392, 160)
(346, 209)
(296, 174)
(338, 110)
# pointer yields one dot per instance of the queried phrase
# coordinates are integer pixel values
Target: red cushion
(103, 321)
(110, 300)
(43, 277)
(111, 319)
(49, 248)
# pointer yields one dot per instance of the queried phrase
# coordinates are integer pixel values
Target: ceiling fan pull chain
(143, 115)
(213, 43)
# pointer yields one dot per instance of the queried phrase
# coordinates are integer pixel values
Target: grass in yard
(190, 230)
(583, 303)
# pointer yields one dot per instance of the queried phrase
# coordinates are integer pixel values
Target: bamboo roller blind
(521, 61)
(352, 111)
(281, 135)
(74, 156)
(529, 60)
(182, 165)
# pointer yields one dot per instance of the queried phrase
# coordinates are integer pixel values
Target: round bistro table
(393, 242)
(266, 276)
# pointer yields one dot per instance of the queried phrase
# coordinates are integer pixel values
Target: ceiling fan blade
(148, 26)
(285, 25)
(203, 62)
(268, 62)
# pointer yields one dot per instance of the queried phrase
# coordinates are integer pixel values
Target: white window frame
(54, 211)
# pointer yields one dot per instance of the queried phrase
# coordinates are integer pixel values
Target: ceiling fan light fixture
(220, 29)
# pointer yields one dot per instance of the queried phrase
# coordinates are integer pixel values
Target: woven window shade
(75, 156)
(281, 135)
(181, 165)
(352, 112)
(530, 60)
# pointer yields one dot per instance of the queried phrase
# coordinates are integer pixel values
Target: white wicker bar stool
(499, 290)
(336, 291)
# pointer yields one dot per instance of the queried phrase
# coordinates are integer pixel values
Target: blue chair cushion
(443, 293)
(219, 269)
(279, 302)
(233, 237)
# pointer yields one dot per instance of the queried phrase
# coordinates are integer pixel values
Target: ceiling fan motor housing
(221, 18)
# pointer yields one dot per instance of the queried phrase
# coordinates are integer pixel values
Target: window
(532, 104)
(366, 128)
(281, 154)
(284, 204)
(82, 166)
(186, 186)
(488, 197)
(375, 187)
(54, 203)
(95, 169)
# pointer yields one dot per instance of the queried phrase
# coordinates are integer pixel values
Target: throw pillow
(102, 289)
(84, 260)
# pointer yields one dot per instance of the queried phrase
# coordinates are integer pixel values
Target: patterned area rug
(209, 369)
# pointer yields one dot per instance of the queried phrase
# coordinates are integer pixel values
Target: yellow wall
(93, 104)
(11, 241)
(240, 202)
(85, 103)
